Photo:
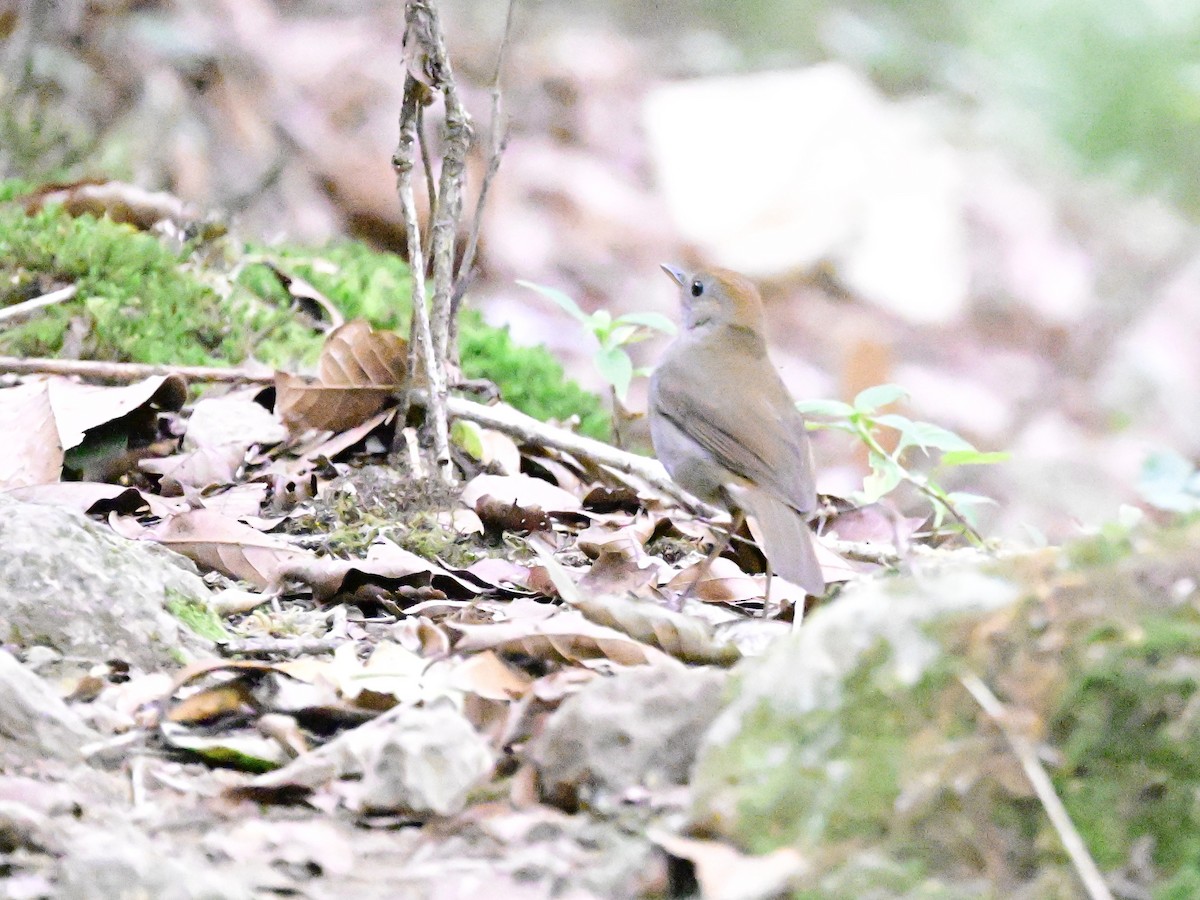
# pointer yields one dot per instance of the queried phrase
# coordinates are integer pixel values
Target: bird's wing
(760, 438)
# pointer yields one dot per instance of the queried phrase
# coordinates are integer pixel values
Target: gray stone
(71, 584)
(122, 862)
(425, 762)
(639, 728)
(34, 721)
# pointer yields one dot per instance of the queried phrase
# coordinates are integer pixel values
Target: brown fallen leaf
(618, 571)
(498, 515)
(356, 355)
(119, 201)
(227, 545)
(305, 404)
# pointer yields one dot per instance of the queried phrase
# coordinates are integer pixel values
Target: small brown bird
(726, 428)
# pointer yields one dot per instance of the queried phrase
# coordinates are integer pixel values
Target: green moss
(196, 616)
(829, 775)
(1127, 728)
(529, 378)
(140, 300)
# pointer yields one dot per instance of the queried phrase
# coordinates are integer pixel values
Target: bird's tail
(785, 540)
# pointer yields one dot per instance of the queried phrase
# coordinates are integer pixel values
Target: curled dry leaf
(563, 637)
(119, 201)
(312, 302)
(225, 544)
(304, 404)
(387, 566)
(724, 872)
(356, 355)
(324, 447)
(686, 638)
(81, 407)
(618, 571)
(194, 471)
(358, 371)
(523, 490)
(98, 498)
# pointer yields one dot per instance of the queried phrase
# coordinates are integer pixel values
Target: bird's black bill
(678, 274)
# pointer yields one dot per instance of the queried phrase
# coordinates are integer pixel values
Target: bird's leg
(739, 518)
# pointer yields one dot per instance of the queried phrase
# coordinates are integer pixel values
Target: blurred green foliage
(1116, 83)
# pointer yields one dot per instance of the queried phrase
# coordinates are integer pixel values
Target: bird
(725, 427)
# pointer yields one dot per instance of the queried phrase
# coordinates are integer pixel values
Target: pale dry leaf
(196, 470)
(80, 407)
(523, 490)
(486, 675)
(98, 498)
(500, 450)
(244, 502)
(630, 535)
(227, 545)
(684, 637)
(720, 581)
(232, 419)
(726, 873)
(564, 637)
(500, 573)
(31, 452)
(328, 447)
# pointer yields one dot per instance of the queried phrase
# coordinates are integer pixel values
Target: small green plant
(863, 419)
(1170, 483)
(613, 335)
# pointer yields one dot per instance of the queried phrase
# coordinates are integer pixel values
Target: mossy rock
(142, 299)
(856, 742)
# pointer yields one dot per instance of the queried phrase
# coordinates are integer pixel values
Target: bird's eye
(697, 288)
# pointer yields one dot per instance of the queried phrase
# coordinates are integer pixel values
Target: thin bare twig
(457, 135)
(423, 356)
(27, 307)
(127, 373)
(427, 168)
(1023, 749)
(497, 144)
